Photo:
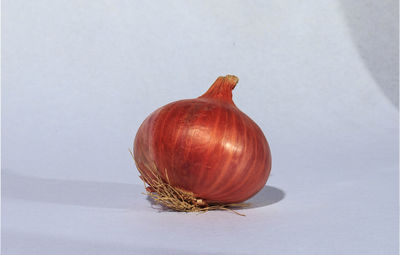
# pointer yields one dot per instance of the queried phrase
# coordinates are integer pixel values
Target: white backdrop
(319, 77)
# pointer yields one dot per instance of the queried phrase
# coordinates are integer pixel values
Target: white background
(319, 77)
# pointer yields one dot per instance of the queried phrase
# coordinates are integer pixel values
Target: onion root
(161, 192)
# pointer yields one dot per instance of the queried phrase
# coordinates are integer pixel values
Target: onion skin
(206, 145)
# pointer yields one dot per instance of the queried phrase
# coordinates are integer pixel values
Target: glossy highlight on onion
(205, 147)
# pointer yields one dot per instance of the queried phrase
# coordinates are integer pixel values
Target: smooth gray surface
(80, 76)
(375, 31)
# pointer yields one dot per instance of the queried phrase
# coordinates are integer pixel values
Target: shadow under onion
(266, 196)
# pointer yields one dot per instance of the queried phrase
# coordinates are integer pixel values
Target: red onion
(206, 146)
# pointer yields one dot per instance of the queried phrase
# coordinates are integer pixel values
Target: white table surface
(319, 77)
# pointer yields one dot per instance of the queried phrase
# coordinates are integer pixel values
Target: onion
(205, 147)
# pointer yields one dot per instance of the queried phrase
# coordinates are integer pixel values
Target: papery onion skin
(206, 145)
